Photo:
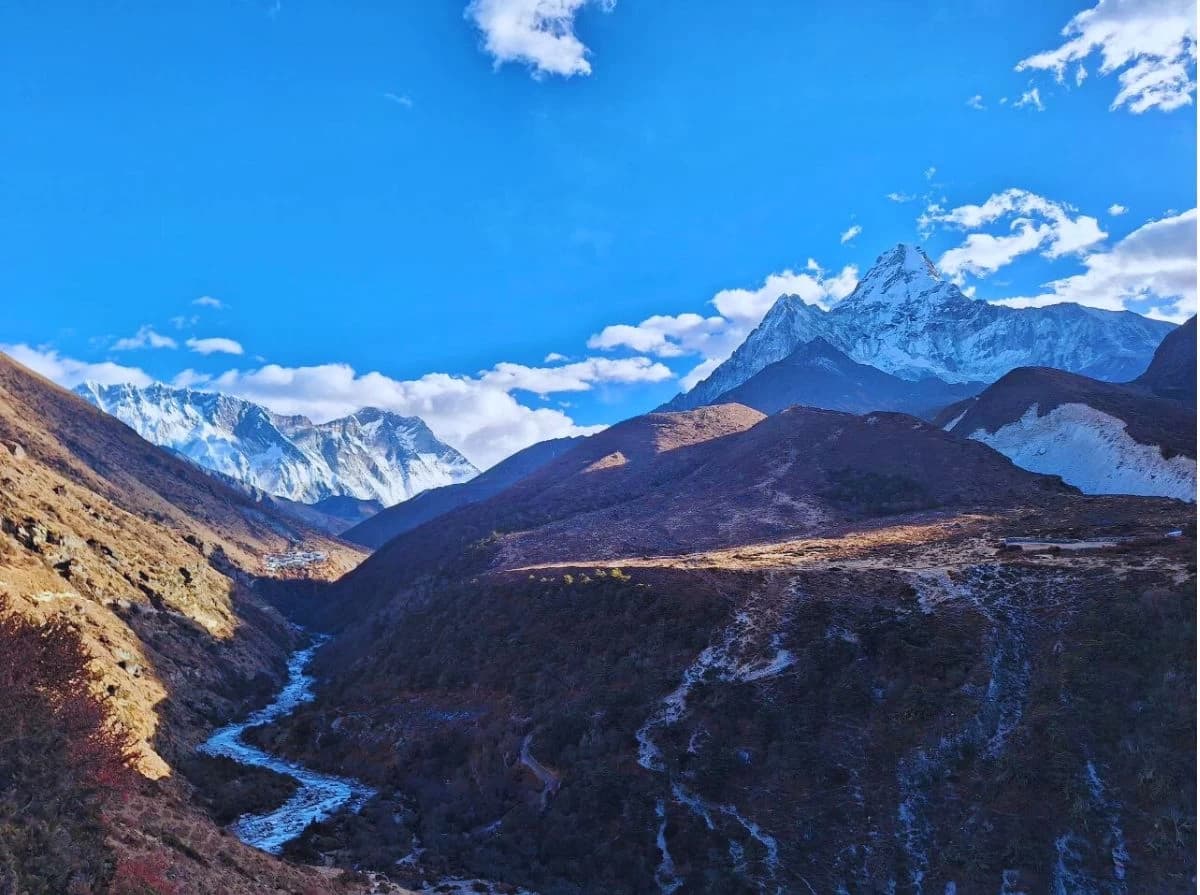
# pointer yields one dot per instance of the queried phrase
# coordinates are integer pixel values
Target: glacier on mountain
(905, 319)
(371, 454)
(1092, 451)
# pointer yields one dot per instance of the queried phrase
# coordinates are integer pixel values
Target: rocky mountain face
(905, 319)
(716, 652)
(1172, 372)
(132, 558)
(818, 375)
(378, 529)
(371, 455)
(1101, 437)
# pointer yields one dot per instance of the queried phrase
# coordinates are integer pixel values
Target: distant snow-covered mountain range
(371, 455)
(906, 320)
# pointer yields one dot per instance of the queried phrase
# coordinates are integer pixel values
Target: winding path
(318, 796)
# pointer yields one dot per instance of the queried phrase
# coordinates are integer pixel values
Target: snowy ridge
(1092, 451)
(904, 319)
(370, 455)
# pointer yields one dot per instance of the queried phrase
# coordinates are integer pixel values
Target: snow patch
(1092, 451)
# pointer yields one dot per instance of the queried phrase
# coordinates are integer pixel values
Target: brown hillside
(151, 563)
(705, 479)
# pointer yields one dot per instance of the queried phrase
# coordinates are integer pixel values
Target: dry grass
(150, 560)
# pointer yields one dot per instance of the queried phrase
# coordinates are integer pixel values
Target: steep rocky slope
(150, 564)
(1102, 438)
(379, 529)
(371, 455)
(905, 319)
(1172, 372)
(818, 375)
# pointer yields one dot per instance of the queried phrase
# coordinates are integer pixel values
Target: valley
(774, 647)
(599, 447)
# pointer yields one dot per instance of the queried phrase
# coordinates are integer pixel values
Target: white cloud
(1034, 224)
(900, 197)
(215, 345)
(713, 338)
(207, 301)
(1150, 44)
(1116, 209)
(1152, 270)
(554, 357)
(69, 372)
(976, 102)
(662, 335)
(477, 414)
(478, 417)
(849, 235)
(182, 322)
(984, 253)
(1031, 97)
(929, 172)
(145, 337)
(700, 372)
(189, 378)
(539, 33)
(400, 99)
(748, 307)
(575, 377)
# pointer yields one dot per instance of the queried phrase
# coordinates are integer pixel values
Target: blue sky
(428, 191)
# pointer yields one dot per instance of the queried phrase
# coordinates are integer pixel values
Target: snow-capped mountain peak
(901, 276)
(905, 319)
(371, 454)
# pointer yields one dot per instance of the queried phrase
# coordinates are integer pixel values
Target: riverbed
(319, 795)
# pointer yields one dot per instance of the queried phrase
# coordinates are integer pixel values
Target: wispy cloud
(1152, 271)
(69, 372)
(575, 377)
(1033, 223)
(207, 301)
(215, 345)
(1031, 97)
(145, 337)
(851, 233)
(976, 102)
(400, 99)
(713, 337)
(1149, 44)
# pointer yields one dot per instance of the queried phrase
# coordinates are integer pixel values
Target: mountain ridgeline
(370, 455)
(904, 319)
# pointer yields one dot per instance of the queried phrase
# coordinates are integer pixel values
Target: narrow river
(319, 795)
